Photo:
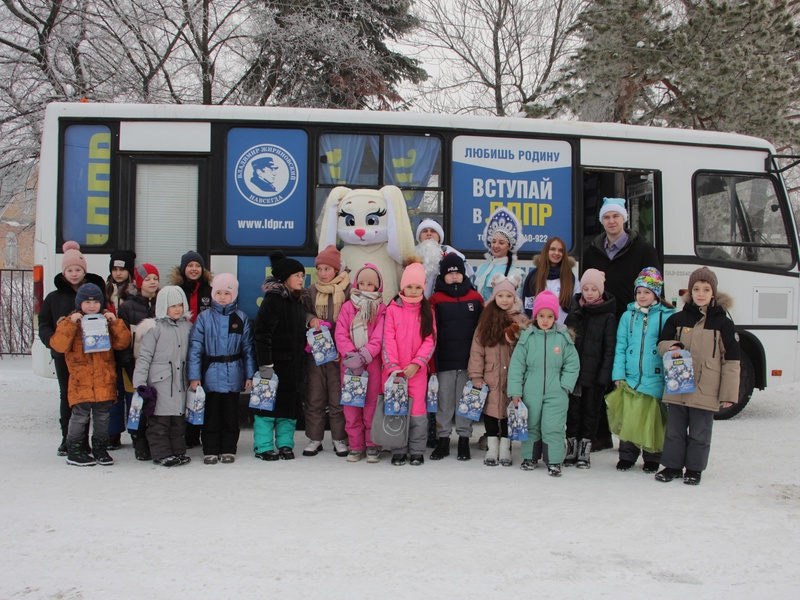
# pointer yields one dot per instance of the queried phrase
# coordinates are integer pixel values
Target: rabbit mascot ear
(330, 217)
(401, 237)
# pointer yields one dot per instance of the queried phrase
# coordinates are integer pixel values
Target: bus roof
(583, 129)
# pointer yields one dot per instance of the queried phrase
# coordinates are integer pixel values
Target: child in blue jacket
(638, 365)
(221, 356)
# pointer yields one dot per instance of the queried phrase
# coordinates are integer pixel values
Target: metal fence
(16, 311)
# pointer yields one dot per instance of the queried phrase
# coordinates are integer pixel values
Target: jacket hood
(608, 305)
(663, 305)
(722, 301)
(63, 285)
(558, 328)
(177, 278)
(228, 309)
(454, 290)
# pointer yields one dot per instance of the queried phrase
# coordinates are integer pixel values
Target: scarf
(367, 304)
(416, 300)
(334, 288)
(583, 302)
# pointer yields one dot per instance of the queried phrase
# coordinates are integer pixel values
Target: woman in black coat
(280, 341)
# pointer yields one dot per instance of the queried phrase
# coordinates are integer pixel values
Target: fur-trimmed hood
(721, 300)
(177, 278)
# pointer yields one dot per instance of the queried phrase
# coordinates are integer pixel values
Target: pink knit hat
(500, 283)
(226, 282)
(72, 257)
(545, 299)
(329, 256)
(370, 272)
(596, 278)
(413, 273)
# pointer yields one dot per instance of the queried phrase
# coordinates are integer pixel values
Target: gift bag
(264, 392)
(637, 418)
(388, 431)
(678, 372)
(518, 422)
(354, 389)
(135, 414)
(432, 396)
(195, 406)
(395, 396)
(471, 402)
(321, 343)
(94, 331)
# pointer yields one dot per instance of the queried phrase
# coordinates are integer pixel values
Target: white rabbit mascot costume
(374, 228)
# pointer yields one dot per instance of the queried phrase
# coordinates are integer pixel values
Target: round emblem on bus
(266, 175)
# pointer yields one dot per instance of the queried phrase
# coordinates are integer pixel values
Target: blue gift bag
(135, 414)
(518, 422)
(195, 406)
(322, 347)
(94, 332)
(395, 397)
(432, 396)
(678, 372)
(471, 403)
(354, 389)
(263, 392)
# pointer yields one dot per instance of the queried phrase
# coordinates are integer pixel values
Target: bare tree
(492, 56)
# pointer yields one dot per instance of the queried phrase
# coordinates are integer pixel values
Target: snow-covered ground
(322, 528)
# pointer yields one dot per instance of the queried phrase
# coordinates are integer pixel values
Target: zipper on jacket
(544, 378)
(641, 350)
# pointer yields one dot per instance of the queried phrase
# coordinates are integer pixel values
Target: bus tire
(747, 383)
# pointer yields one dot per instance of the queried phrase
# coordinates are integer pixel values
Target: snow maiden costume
(504, 222)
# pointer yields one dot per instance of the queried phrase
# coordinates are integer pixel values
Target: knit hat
(414, 273)
(614, 205)
(122, 258)
(170, 295)
(704, 274)
(545, 299)
(501, 283)
(283, 267)
(191, 256)
(452, 263)
(88, 291)
(505, 222)
(370, 272)
(329, 256)
(596, 278)
(225, 282)
(72, 257)
(430, 224)
(142, 271)
(651, 279)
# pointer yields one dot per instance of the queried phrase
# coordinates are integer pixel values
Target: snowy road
(322, 528)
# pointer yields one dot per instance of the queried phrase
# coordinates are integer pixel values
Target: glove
(353, 361)
(512, 332)
(357, 370)
(366, 357)
(477, 383)
(266, 372)
(149, 396)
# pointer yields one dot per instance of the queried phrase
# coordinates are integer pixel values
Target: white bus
(164, 179)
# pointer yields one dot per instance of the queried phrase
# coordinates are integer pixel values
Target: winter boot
(572, 452)
(584, 454)
(483, 442)
(505, 452)
(62, 448)
(77, 455)
(491, 459)
(442, 449)
(463, 448)
(667, 474)
(114, 442)
(141, 448)
(692, 477)
(100, 451)
(554, 470)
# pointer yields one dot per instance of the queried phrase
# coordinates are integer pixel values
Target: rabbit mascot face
(374, 227)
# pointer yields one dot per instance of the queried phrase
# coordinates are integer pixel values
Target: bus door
(638, 187)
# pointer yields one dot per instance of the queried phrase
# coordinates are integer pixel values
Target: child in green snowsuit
(544, 368)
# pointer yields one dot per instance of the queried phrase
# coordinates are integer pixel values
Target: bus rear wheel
(747, 382)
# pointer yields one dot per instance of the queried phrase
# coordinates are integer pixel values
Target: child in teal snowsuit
(544, 368)
(638, 364)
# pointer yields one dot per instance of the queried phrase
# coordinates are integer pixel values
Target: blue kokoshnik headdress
(505, 222)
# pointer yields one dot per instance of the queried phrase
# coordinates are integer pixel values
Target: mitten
(365, 355)
(266, 372)
(512, 331)
(352, 361)
(149, 396)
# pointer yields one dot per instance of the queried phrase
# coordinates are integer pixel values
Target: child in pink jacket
(358, 334)
(409, 338)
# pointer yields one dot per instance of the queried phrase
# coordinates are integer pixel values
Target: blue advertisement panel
(267, 183)
(86, 184)
(251, 272)
(532, 178)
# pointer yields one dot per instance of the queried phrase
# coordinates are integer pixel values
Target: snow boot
(114, 442)
(442, 449)
(483, 442)
(571, 456)
(666, 474)
(692, 477)
(584, 454)
(100, 451)
(62, 448)
(77, 455)
(650, 466)
(554, 470)
(529, 464)
(491, 459)
(624, 465)
(505, 452)
(141, 449)
(463, 448)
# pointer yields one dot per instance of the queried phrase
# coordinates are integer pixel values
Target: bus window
(86, 184)
(740, 219)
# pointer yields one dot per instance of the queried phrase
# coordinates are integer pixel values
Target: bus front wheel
(747, 383)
